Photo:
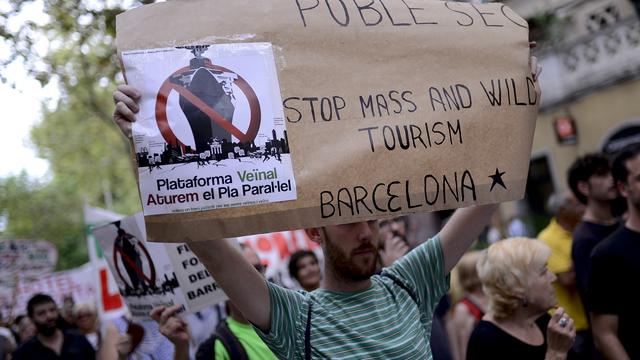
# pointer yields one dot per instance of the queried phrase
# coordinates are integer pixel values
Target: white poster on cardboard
(210, 133)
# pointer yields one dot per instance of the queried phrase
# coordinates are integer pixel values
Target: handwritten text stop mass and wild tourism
(392, 136)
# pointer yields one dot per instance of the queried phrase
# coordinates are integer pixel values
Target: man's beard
(344, 265)
(45, 329)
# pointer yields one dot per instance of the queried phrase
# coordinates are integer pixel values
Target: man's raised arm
(246, 288)
(462, 230)
(244, 285)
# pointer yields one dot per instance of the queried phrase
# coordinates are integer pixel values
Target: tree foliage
(89, 159)
(44, 211)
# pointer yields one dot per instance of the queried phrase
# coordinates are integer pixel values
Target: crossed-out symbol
(241, 83)
(149, 280)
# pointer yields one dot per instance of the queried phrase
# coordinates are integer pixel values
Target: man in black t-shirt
(591, 182)
(615, 270)
(50, 341)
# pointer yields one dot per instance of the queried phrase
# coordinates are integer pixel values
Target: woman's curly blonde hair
(505, 270)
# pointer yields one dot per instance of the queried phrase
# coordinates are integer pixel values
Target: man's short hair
(36, 300)
(619, 169)
(585, 167)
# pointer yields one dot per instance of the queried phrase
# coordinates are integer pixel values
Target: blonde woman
(515, 278)
(85, 316)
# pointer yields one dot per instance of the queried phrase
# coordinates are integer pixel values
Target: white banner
(28, 258)
(77, 283)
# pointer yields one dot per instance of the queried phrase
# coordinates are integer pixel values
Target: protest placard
(29, 259)
(390, 107)
(150, 274)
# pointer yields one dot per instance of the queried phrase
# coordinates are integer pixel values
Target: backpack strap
(401, 284)
(307, 334)
(230, 341)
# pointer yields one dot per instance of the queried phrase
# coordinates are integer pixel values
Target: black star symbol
(497, 179)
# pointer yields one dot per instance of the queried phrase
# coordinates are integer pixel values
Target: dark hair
(36, 300)
(585, 167)
(295, 257)
(17, 319)
(619, 169)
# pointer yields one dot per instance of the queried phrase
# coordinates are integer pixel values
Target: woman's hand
(560, 335)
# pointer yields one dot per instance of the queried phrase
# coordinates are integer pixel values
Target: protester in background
(5, 331)
(86, 319)
(50, 341)
(66, 320)
(304, 267)
(468, 312)
(125, 339)
(615, 270)
(233, 338)
(24, 327)
(7, 341)
(567, 211)
(591, 182)
(393, 240)
(515, 278)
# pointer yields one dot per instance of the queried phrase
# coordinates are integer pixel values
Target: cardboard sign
(391, 107)
(150, 275)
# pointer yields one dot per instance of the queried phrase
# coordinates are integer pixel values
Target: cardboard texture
(396, 107)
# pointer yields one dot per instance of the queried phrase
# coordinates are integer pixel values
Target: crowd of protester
(565, 294)
(560, 296)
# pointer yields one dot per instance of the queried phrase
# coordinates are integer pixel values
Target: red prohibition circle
(151, 280)
(240, 82)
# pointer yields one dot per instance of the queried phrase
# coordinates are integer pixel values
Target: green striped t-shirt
(381, 322)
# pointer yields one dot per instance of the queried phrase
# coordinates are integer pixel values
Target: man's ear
(622, 188)
(314, 235)
(583, 187)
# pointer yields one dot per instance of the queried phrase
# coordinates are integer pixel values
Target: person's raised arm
(242, 283)
(462, 230)
(246, 288)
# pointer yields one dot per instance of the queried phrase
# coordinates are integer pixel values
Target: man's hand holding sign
(421, 126)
